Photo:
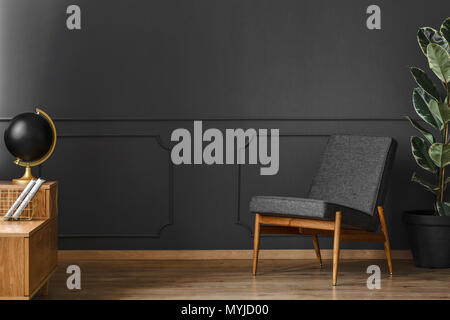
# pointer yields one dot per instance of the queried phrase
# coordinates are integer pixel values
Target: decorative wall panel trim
(170, 196)
(400, 119)
(75, 129)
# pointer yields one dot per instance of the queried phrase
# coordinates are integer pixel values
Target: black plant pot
(429, 238)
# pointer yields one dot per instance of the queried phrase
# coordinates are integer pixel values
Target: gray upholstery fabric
(352, 178)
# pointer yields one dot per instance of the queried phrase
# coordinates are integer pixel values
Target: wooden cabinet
(28, 249)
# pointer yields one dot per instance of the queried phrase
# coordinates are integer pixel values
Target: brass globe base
(26, 177)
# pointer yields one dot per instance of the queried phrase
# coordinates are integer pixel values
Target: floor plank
(232, 279)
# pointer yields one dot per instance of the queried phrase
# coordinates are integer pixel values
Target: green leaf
(428, 186)
(440, 111)
(428, 135)
(445, 29)
(440, 154)
(427, 35)
(421, 100)
(420, 152)
(443, 208)
(425, 83)
(439, 61)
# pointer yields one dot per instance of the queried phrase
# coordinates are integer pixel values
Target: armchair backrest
(354, 172)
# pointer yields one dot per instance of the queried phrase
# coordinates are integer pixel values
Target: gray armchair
(345, 200)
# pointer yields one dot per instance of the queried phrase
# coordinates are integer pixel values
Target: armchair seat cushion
(311, 209)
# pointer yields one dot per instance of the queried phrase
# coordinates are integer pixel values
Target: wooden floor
(232, 279)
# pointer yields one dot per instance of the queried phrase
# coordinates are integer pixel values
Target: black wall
(139, 69)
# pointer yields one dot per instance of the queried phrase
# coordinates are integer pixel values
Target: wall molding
(218, 119)
(239, 214)
(327, 254)
(170, 214)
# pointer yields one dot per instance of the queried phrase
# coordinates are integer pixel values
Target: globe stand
(26, 177)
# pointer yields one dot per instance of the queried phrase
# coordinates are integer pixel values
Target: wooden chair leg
(317, 248)
(387, 246)
(336, 245)
(256, 243)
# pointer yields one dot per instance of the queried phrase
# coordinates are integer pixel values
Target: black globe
(28, 137)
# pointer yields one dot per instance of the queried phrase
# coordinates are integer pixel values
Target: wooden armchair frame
(266, 224)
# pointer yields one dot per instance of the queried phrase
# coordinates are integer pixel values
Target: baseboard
(223, 254)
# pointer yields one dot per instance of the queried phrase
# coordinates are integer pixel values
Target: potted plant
(429, 231)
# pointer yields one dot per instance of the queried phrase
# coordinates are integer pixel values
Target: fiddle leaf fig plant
(433, 152)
